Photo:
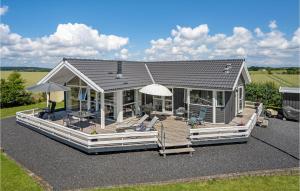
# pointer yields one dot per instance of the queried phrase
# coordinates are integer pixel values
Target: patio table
(82, 115)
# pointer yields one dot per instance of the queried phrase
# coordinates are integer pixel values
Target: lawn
(14, 178)
(291, 80)
(8, 112)
(246, 183)
(30, 77)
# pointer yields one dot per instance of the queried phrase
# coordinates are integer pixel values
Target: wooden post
(102, 110)
(188, 102)
(136, 100)
(163, 104)
(97, 101)
(214, 102)
(88, 98)
(119, 105)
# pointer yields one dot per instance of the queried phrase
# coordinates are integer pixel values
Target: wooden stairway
(174, 139)
(176, 148)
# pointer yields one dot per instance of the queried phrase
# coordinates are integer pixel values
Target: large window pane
(128, 103)
(220, 99)
(74, 98)
(82, 95)
(93, 99)
(109, 105)
(128, 96)
(74, 81)
(168, 102)
(201, 97)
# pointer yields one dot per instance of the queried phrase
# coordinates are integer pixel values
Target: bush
(267, 93)
(13, 91)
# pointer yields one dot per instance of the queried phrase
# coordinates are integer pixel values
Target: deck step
(176, 144)
(177, 151)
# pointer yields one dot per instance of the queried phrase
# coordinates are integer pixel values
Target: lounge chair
(149, 126)
(201, 117)
(132, 124)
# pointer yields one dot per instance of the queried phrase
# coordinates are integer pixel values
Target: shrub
(13, 93)
(267, 93)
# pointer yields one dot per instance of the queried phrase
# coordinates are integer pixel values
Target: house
(218, 85)
(110, 90)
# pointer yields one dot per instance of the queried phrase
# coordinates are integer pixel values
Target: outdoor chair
(149, 126)
(68, 121)
(180, 112)
(132, 124)
(200, 119)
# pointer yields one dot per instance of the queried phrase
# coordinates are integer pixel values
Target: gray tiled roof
(207, 74)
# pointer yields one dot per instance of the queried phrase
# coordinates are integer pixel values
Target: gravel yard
(66, 168)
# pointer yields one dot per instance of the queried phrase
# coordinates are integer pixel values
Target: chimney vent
(227, 68)
(119, 70)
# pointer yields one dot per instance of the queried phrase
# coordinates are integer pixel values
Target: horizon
(149, 31)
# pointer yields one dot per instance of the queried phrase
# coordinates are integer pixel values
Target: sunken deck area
(110, 139)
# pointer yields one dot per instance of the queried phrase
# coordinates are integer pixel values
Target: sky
(41, 33)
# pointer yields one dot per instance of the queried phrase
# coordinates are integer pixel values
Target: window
(109, 106)
(201, 97)
(220, 99)
(128, 103)
(128, 96)
(82, 94)
(74, 102)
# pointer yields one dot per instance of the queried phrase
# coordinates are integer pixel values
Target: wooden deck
(176, 130)
(177, 133)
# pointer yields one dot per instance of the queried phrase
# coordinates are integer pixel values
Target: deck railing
(88, 141)
(225, 133)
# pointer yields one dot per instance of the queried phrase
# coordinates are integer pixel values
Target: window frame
(209, 102)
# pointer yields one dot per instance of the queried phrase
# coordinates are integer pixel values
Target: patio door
(163, 104)
(240, 99)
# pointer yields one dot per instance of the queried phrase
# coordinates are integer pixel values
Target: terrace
(170, 130)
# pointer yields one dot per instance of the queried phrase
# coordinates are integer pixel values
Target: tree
(13, 91)
(267, 93)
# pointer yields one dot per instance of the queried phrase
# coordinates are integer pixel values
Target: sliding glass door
(163, 104)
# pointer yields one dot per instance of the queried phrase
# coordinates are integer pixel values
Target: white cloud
(296, 38)
(258, 32)
(69, 40)
(123, 54)
(268, 48)
(3, 10)
(191, 33)
(79, 40)
(273, 24)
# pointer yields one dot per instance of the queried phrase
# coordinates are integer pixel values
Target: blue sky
(143, 30)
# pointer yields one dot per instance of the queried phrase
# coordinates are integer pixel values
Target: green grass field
(30, 77)
(246, 183)
(291, 80)
(8, 112)
(14, 178)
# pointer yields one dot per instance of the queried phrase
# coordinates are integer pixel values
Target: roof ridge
(158, 61)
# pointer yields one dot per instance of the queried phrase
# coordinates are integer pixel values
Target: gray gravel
(281, 134)
(66, 168)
